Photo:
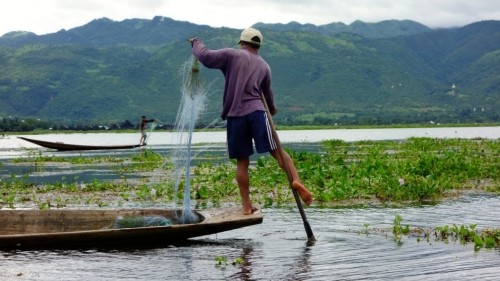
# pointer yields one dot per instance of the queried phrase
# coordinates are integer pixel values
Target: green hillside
(403, 72)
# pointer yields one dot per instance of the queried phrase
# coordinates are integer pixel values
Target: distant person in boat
(142, 128)
(247, 75)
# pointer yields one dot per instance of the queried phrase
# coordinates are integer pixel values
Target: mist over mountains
(363, 73)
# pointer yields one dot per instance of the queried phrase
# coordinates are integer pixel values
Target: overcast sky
(48, 16)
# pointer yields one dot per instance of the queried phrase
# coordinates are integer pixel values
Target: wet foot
(249, 211)
(304, 194)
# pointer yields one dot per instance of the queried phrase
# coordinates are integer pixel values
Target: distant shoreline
(278, 126)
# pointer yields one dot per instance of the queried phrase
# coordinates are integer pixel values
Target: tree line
(14, 124)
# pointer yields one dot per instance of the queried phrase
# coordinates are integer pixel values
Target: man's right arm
(209, 58)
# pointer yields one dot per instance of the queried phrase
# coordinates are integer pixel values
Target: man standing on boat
(247, 75)
(142, 128)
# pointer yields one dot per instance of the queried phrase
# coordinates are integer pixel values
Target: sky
(49, 16)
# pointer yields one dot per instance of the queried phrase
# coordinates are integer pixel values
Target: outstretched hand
(191, 40)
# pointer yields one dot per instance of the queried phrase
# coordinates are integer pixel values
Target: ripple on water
(277, 250)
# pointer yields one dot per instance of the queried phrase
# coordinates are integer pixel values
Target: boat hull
(29, 229)
(72, 147)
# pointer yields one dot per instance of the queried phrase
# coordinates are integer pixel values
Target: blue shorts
(241, 131)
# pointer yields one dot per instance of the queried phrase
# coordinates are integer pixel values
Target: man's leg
(243, 180)
(305, 194)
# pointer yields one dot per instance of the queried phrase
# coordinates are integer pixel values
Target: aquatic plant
(417, 170)
(398, 230)
(220, 261)
(238, 261)
(147, 160)
(44, 205)
(485, 238)
(37, 157)
(365, 230)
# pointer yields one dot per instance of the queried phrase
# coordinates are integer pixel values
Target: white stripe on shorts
(272, 141)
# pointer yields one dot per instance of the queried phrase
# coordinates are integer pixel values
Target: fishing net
(141, 221)
(150, 130)
(192, 104)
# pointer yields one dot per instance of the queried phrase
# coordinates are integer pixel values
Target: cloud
(52, 15)
(241, 14)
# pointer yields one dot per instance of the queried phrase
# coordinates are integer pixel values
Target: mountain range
(363, 73)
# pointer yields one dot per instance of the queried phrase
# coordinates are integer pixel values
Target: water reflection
(302, 266)
(245, 272)
(278, 250)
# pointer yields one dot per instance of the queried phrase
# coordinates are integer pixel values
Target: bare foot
(304, 194)
(249, 211)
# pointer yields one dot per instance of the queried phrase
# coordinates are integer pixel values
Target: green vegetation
(36, 157)
(418, 170)
(148, 160)
(486, 238)
(18, 190)
(220, 261)
(398, 230)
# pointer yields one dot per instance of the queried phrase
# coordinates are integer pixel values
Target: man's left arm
(269, 95)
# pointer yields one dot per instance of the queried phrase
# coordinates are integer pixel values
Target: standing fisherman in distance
(142, 128)
(247, 75)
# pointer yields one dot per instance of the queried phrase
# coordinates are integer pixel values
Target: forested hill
(380, 73)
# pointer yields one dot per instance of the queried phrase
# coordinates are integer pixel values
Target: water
(277, 250)
(157, 139)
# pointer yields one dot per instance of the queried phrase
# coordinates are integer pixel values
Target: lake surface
(286, 136)
(277, 250)
(349, 246)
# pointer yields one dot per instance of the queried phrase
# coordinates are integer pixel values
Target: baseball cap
(251, 35)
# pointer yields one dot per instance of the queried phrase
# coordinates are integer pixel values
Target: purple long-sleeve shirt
(246, 76)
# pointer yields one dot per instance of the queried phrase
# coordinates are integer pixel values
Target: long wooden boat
(69, 228)
(61, 146)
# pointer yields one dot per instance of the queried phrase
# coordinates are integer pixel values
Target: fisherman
(142, 128)
(247, 75)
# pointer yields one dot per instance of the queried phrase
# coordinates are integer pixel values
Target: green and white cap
(251, 35)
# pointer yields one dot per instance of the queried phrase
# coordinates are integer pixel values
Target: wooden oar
(310, 235)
